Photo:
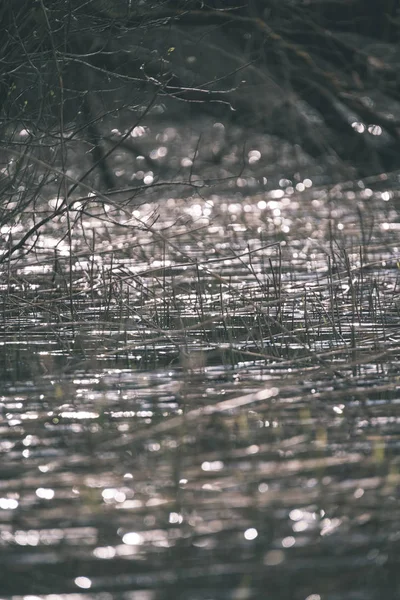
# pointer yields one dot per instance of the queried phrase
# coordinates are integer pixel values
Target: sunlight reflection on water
(217, 390)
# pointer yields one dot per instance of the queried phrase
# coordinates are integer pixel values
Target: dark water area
(199, 394)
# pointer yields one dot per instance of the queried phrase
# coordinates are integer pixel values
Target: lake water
(200, 386)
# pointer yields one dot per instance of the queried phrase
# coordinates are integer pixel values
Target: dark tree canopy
(323, 74)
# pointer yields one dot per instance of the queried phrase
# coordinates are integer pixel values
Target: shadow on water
(200, 397)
